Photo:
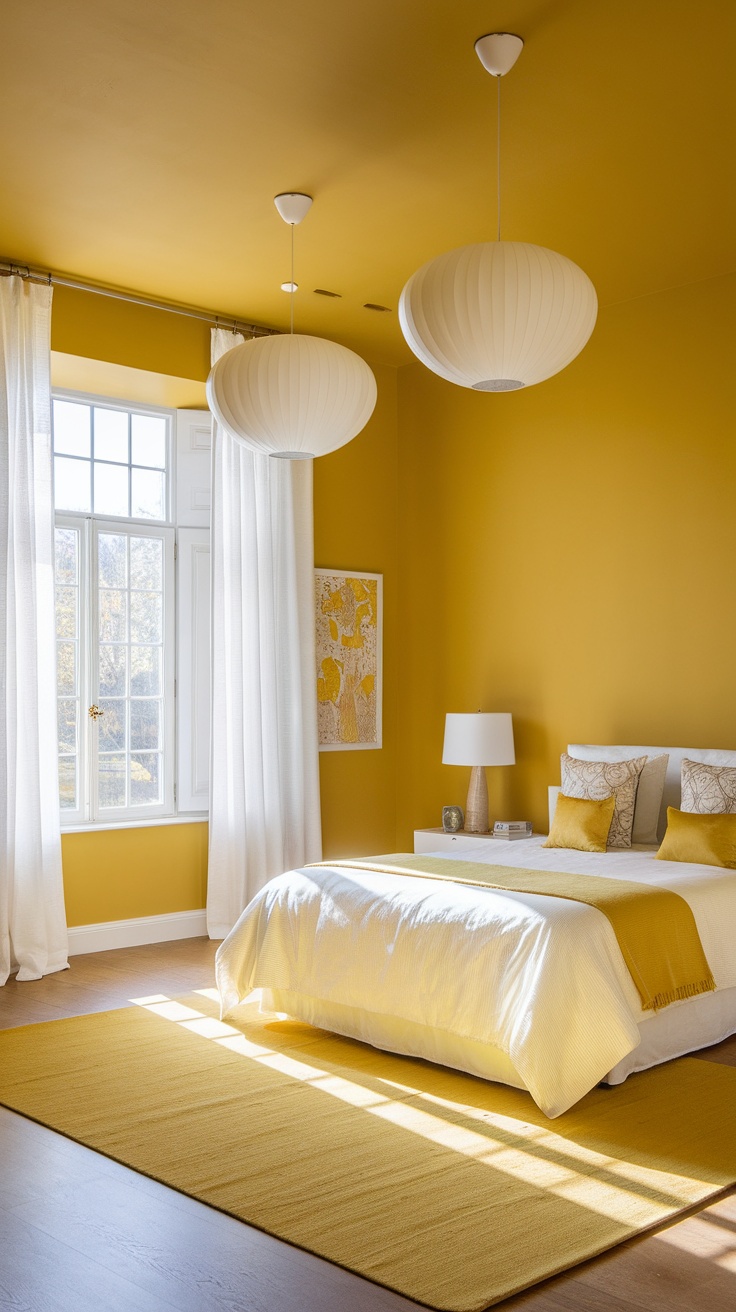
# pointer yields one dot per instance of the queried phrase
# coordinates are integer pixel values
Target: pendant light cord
(498, 160)
(291, 297)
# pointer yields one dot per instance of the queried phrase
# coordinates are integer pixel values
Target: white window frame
(142, 408)
(88, 814)
(166, 806)
(193, 496)
(79, 814)
(193, 676)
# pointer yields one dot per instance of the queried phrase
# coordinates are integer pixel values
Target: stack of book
(510, 829)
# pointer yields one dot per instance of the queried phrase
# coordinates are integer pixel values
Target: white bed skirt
(682, 1028)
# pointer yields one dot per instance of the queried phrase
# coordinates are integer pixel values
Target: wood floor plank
(102, 980)
(39, 1274)
(658, 1277)
(724, 1052)
(561, 1297)
(78, 1231)
(35, 1161)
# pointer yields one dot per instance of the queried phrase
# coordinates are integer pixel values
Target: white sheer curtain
(32, 923)
(264, 789)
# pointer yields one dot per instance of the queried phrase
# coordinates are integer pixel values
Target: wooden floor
(79, 1232)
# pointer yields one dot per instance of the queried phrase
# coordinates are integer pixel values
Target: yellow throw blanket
(655, 928)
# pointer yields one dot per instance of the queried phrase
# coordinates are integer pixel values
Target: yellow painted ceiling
(143, 140)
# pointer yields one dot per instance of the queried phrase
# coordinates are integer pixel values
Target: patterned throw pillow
(598, 779)
(708, 789)
(649, 792)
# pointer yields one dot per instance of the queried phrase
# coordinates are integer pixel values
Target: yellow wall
(117, 874)
(86, 324)
(567, 553)
(355, 512)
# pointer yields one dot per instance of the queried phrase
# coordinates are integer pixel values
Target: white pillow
(648, 794)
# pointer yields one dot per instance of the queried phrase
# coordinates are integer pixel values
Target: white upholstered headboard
(671, 795)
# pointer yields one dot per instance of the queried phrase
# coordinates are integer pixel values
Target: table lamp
(478, 740)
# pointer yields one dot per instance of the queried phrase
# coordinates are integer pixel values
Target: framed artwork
(349, 620)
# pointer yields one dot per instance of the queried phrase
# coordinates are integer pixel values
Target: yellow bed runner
(655, 928)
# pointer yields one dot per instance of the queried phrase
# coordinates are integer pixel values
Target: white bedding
(539, 978)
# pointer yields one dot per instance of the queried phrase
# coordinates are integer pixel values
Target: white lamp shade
(291, 395)
(498, 316)
(479, 739)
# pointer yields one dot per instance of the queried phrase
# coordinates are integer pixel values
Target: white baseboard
(133, 933)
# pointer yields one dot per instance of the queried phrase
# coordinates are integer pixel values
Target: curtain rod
(10, 267)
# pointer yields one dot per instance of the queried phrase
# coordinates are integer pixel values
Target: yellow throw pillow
(581, 823)
(707, 840)
(595, 780)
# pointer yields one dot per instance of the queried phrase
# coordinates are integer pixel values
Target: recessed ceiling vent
(321, 291)
(382, 309)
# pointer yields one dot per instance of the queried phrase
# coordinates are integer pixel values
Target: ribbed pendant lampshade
(498, 316)
(292, 396)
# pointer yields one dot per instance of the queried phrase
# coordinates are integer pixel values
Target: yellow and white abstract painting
(349, 613)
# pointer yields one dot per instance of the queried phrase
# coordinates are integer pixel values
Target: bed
(522, 988)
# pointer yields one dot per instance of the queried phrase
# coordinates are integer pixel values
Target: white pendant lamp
(498, 316)
(292, 396)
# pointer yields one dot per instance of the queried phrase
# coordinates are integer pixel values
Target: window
(114, 610)
(110, 461)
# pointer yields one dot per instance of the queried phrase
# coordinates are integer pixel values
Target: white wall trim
(95, 827)
(134, 933)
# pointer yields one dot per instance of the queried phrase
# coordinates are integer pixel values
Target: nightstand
(436, 840)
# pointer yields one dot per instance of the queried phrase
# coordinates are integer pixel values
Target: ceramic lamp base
(476, 810)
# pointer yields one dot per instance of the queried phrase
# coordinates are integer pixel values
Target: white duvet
(540, 978)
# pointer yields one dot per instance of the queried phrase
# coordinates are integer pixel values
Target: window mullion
(128, 659)
(93, 672)
(85, 526)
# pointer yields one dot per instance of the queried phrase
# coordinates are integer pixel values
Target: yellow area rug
(450, 1190)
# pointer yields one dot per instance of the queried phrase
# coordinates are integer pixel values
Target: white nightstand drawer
(436, 840)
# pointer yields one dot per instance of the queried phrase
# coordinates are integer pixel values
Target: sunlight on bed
(546, 1160)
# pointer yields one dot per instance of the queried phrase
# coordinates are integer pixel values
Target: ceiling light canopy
(498, 52)
(498, 316)
(293, 206)
(292, 396)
